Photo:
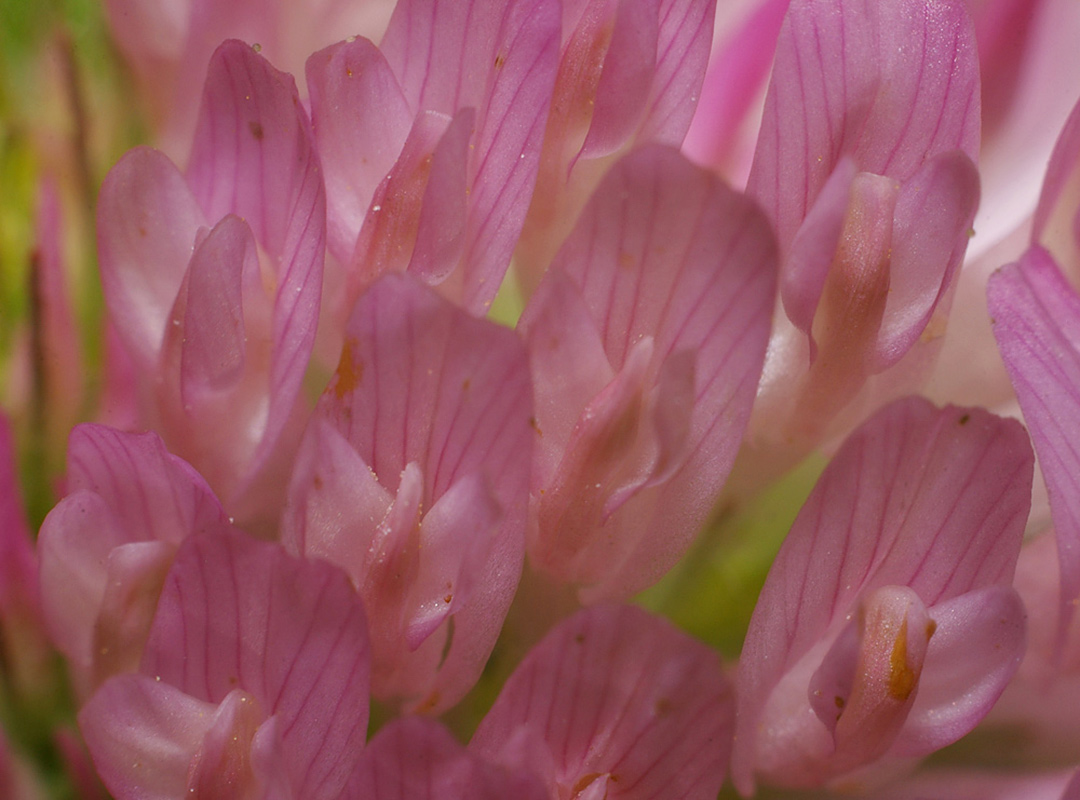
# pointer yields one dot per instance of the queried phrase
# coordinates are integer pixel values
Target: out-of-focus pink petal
(418, 759)
(666, 253)
(425, 392)
(741, 60)
(361, 120)
(619, 699)
(1036, 317)
(890, 84)
(934, 500)
(1056, 225)
(147, 219)
(254, 156)
(214, 339)
(976, 648)
(142, 734)
(238, 613)
(135, 574)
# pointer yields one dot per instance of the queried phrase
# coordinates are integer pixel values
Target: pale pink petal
(663, 252)
(935, 500)
(222, 767)
(931, 228)
(333, 497)
(417, 759)
(890, 84)
(235, 613)
(1036, 318)
(1055, 216)
(214, 339)
(619, 699)
(135, 574)
(393, 223)
(143, 734)
(147, 219)
(73, 549)
(361, 120)
(976, 648)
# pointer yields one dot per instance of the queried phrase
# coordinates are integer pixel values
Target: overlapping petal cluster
(342, 480)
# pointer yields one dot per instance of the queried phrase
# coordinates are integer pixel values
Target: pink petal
(143, 734)
(938, 500)
(418, 759)
(644, 727)
(890, 84)
(814, 247)
(931, 228)
(147, 219)
(510, 130)
(214, 339)
(1055, 216)
(1036, 317)
(977, 645)
(73, 548)
(666, 252)
(155, 495)
(361, 120)
(333, 497)
(431, 165)
(623, 89)
(682, 54)
(442, 52)
(304, 654)
(135, 574)
(222, 767)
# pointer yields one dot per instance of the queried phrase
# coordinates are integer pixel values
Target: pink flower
(646, 337)
(413, 477)
(106, 547)
(213, 279)
(887, 628)
(865, 166)
(254, 682)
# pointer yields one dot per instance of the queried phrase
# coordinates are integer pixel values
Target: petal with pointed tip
(361, 120)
